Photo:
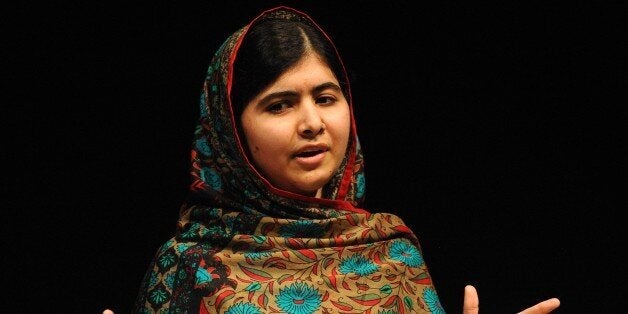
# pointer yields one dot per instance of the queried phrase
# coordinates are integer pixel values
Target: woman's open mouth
(310, 153)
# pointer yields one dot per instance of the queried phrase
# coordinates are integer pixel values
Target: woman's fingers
(471, 303)
(542, 307)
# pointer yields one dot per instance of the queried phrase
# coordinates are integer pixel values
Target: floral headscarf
(244, 246)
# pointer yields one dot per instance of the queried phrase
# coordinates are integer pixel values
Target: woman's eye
(278, 107)
(325, 100)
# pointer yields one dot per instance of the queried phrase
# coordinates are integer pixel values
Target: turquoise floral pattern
(203, 147)
(357, 264)
(406, 253)
(212, 178)
(243, 308)
(258, 255)
(302, 229)
(299, 298)
(432, 301)
(361, 186)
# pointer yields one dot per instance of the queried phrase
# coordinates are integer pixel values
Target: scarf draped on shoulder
(244, 246)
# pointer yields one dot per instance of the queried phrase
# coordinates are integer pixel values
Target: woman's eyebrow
(287, 93)
(327, 85)
(290, 93)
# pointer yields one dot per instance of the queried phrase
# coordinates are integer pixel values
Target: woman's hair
(271, 47)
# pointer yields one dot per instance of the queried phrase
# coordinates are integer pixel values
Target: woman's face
(297, 129)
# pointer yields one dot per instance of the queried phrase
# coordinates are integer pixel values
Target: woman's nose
(311, 123)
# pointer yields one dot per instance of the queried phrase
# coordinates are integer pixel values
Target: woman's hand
(471, 304)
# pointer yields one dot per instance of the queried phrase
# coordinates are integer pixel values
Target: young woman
(273, 223)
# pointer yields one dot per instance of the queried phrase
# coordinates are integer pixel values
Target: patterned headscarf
(245, 246)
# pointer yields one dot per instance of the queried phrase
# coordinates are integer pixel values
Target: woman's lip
(311, 149)
(311, 162)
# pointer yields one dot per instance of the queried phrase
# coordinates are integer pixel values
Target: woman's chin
(310, 190)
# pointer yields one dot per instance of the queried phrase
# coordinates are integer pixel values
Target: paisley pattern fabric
(244, 246)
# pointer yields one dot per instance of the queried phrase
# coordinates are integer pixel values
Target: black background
(489, 128)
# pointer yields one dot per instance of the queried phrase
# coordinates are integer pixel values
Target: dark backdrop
(488, 127)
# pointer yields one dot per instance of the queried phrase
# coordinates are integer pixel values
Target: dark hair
(271, 47)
